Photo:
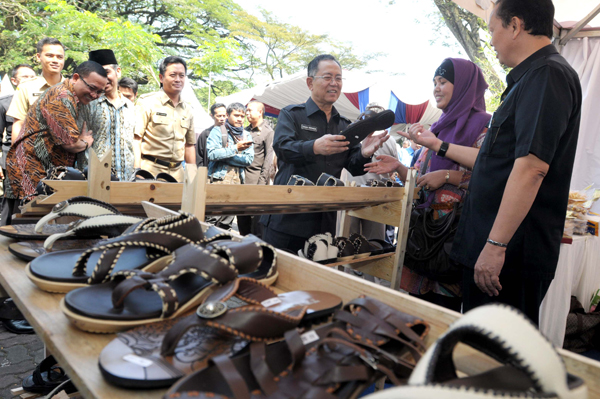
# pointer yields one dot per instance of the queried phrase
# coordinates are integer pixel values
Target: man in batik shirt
(50, 136)
(111, 118)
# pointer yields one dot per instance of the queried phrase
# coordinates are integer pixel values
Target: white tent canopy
(293, 90)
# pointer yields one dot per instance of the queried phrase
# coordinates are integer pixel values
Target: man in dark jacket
(218, 112)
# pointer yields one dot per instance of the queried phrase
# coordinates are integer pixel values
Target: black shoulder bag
(429, 241)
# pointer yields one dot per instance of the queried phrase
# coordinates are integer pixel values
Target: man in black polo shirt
(513, 218)
(307, 143)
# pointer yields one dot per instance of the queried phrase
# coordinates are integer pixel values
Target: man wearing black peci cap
(111, 118)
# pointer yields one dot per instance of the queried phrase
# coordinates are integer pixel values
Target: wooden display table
(78, 352)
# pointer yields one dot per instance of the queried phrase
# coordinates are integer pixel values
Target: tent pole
(579, 26)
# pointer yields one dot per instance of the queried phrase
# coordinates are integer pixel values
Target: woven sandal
(361, 245)
(327, 362)
(367, 123)
(144, 246)
(319, 248)
(531, 366)
(243, 311)
(29, 250)
(296, 180)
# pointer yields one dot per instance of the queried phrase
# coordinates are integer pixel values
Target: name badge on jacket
(309, 128)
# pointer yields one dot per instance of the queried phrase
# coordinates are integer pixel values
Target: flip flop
(142, 175)
(365, 342)
(80, 207)
(29, 250)
(144, 246)
(531, 367)
(133, 297)
(367, 123)
(361, 245)
(156, 356)
(165, 178)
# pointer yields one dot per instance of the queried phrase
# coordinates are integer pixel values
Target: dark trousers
(283, 241)
(448, 302)
(523, 292)
(250, 225)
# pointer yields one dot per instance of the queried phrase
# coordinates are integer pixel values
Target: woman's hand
(372, 143)
(424, 137)
(384, 164)
(432, 180)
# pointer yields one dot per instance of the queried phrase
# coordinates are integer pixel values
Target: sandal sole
(58, 287)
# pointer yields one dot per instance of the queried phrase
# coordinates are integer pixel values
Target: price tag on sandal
(271, 302)
(309, 337)
(140, 361)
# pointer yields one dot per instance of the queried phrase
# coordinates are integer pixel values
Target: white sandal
(531, 366)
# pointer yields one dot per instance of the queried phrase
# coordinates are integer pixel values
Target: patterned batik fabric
(113, 129)
(51, 122)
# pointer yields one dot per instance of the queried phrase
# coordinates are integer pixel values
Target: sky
(402, 31)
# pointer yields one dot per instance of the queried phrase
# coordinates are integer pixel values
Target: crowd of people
(510, 171)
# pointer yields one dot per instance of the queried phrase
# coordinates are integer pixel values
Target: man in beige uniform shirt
(164, 131)
(51, 55)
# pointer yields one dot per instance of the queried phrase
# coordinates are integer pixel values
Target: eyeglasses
(92, 88)
(329, 78)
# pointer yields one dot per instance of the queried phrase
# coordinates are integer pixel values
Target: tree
(277, 48)
(467, 28)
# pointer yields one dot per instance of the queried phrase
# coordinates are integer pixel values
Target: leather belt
(171, 165)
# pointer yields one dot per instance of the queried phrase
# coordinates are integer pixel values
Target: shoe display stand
(77, 351)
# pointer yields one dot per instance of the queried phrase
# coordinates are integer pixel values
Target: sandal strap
(84, 207)
(46, 366)
(254, 323)
(232, 376)
(394, 317)
(110, 225)
(245, 256)
(262, 373)
(183, 223)
(161, 241)
(296, 347)
(188, 259)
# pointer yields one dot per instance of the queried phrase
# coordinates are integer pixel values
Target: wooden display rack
(78, 352)
(390, 205)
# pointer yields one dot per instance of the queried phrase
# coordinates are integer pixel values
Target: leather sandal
(329, 180)
(296, 180)
(249, 254)
(142, 175)
(367, 123)
(46, 376)
(145, 246)
(165, 178)
(338, 360)
(531, 367)
(134, 297)
(361, 245)
(234, 315)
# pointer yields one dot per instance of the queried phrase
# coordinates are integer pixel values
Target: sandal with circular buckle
(232, 316)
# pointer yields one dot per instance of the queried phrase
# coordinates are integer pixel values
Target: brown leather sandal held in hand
(158, 355)
(145, 245)
(369, 340)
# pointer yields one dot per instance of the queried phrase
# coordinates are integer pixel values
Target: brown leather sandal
(242, 311)
(368, 340)
(145, 246)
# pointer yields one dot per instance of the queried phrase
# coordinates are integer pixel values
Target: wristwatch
(86, 144)
(443, 149)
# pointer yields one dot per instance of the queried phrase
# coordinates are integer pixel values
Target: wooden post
(194, 192)
(99, 176)
(407, 201)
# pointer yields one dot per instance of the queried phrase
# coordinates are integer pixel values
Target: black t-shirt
(539, 115)
(298, 126)
(201, 153)
(6, 121)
